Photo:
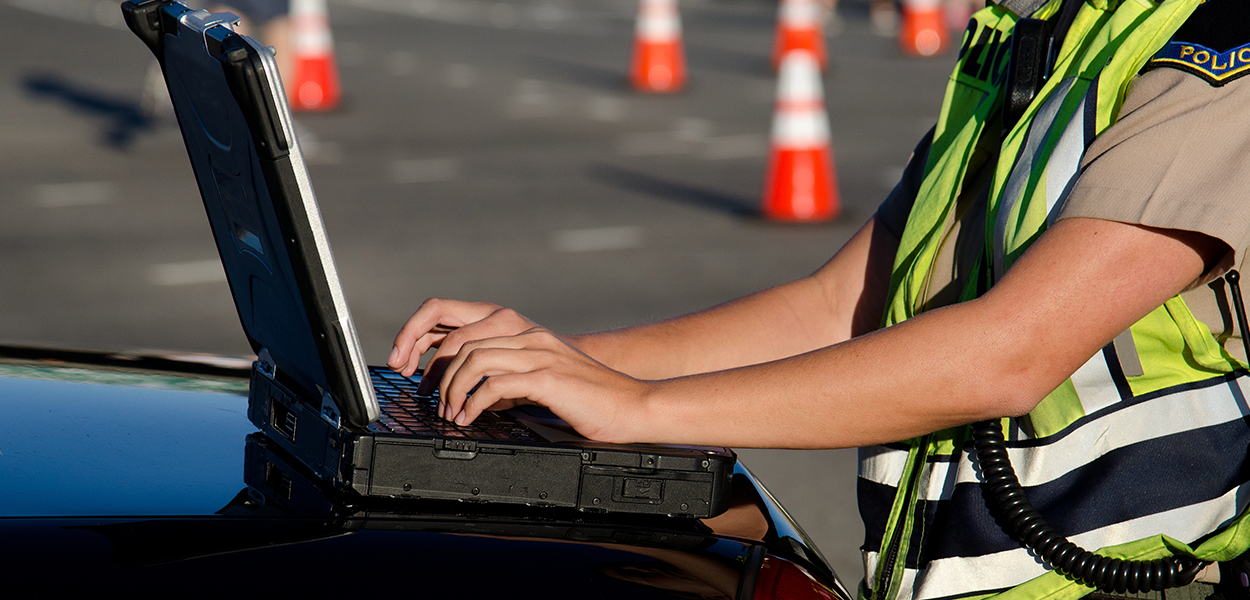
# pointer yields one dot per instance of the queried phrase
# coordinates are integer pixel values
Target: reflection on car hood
(124, 470)
(147, 380)
(307, 558)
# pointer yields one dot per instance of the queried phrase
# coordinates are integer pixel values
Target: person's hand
(447, 325)
(539, 367)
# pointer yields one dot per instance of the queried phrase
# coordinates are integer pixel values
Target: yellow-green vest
(1141, 453)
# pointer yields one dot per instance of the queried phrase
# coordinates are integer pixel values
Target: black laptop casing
(311, 391)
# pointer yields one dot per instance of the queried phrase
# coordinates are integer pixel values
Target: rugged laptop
(359, 427)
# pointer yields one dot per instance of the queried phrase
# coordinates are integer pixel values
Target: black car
(141, 476)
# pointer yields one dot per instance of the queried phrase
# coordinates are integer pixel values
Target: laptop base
(588, 476)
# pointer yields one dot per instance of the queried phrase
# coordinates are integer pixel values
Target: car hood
(145, 471)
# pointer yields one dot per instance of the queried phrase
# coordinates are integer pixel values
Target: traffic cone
(799, 28)
(659, 63)
(922, 31)
(315, 81)
(800, 184)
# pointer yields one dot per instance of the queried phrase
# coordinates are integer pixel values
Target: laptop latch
(265, 362)
(330, 410)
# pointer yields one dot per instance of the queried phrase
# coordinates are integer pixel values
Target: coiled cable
(1015, 514)
(1009, 505)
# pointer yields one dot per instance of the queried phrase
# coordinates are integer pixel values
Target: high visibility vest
(1142, 453)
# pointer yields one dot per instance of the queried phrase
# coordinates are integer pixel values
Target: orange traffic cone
(799, 28)
(923, 28)
(315, 84)
(801, 184)
(659, 63)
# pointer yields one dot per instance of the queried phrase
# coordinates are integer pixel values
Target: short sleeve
(1177, 158)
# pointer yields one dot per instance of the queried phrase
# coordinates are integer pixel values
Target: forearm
(1078, 287)
(920, 376)
(764, 326)
(837, 302)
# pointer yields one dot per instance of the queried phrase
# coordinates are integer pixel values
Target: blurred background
(482, 150)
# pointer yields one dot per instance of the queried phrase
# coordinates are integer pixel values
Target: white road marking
(605, 108)
(690, 129)
(532, 99)
(549, 16)
(425, 7)
(503, 16)
(100, 12)
(425, 170)
(186, 273)
(652, 144)
(746, 145)
(401, 63)
(85, 193)
(693, 136)
(597, 238)
(461, 76)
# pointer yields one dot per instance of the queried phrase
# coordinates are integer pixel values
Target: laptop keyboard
(406, 412)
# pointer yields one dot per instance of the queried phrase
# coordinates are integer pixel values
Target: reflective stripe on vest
(1131, 448)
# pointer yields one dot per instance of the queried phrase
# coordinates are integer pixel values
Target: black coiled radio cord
(1013, 511)
(1015, 514)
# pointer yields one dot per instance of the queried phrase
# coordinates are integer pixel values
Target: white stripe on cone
(658, 21)
(310, 28)
(800, 14)
(800, 120)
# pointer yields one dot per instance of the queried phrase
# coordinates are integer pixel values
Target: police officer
(1056, 261)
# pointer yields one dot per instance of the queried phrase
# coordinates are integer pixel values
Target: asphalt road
(484, 151)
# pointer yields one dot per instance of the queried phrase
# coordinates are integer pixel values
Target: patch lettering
(1217, 68)
(1213, 43)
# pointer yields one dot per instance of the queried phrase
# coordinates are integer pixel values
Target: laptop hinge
(329, 409)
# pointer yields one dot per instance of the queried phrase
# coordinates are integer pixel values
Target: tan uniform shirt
(1177, 158)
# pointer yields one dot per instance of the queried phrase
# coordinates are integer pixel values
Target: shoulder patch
(1218, 68)
(1214, 43)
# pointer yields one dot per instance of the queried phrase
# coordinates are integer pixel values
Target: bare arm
(842, 299)
(1080, 285)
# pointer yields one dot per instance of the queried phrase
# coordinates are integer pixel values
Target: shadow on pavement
(750, 64)
(607, 80)
(672, 191)
(122, 118)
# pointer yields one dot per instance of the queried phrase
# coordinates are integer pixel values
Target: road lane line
(186, 273)
(82, 193)
(597, 238)
(425, 170)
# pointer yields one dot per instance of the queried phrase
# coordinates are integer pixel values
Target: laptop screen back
(264, 217)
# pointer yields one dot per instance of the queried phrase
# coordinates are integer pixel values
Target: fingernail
(461, 418)
(442, 410)
(394, 356)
